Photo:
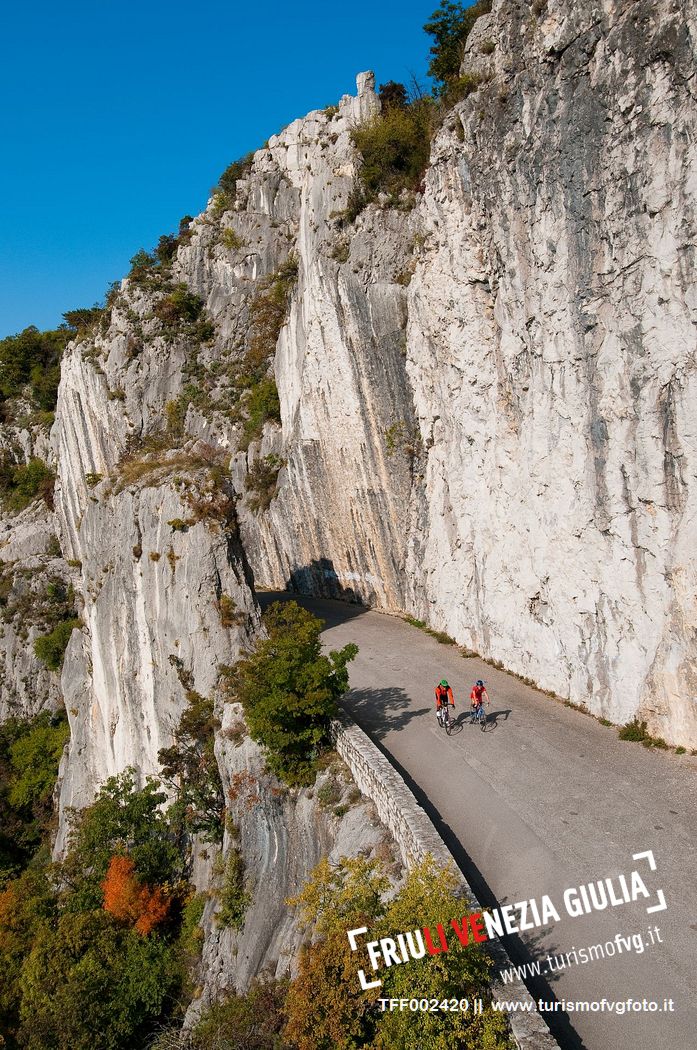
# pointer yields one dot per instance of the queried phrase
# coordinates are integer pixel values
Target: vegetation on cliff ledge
(395, 145)
(289, 690)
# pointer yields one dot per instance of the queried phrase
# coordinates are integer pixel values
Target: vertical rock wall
(559, 313)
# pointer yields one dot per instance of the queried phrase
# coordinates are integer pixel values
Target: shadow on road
(492, 718)
(382, 709)
(333, 612)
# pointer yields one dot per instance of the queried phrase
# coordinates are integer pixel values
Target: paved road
(546, 800)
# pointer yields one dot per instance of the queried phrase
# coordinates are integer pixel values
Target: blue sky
(117, 119)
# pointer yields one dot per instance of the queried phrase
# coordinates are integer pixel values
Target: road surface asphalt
(546, 799)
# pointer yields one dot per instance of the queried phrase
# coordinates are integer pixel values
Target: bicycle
(479, 715)
(445, 719)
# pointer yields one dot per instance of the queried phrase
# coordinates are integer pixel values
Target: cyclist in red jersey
(478, 696)
(444, 695)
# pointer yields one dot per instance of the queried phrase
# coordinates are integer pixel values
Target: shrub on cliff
(269, 312)
(262, 482)
(190, 767)
(50, 648)
(450, 25)
(394, 147)
(21, 483)
(289, 690)
(226, 189)
(31, 360)
(180, 305)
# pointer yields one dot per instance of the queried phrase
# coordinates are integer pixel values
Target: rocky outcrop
(282, 834)
(30, 564)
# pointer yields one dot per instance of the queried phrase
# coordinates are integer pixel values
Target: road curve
(545, 800)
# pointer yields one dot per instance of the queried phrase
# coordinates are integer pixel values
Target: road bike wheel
(448, 725)
(482, 719)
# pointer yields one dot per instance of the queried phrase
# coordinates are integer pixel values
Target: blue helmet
(480, 682)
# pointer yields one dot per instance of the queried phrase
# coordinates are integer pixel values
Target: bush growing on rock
(262, 482)
(394, 147)
(234, 897)
(450, 25)
(227, 183)
(50, 648)
(22, 483)
(180, 305)
(260, 405)
(289, 690)
(190, 767)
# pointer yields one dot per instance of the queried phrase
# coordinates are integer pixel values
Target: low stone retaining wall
(416, 836)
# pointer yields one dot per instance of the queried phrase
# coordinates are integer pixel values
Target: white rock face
(30, 560)
(150, 610)
(151, 576)
(282, 834)
(560, 320)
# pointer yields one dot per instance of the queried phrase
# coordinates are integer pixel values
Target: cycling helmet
(443, 682)
(480, 682)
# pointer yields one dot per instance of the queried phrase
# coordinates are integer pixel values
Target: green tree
(325, 1005)
(30, 752)
(27, 908)
(428, 897)
(253, 1021)
(393, 94)
(123, 819)
(35, 756)
(289, 690)
(91, 984)
(32, 358)
(84, 319)
(450, 25)
(191, 767)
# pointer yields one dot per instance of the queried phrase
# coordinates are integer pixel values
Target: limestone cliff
(484, 407)
(485, 400)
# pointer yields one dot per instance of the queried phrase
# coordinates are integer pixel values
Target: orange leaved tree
(131, 902)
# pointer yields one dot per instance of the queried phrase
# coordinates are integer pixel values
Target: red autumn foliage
(131, 902)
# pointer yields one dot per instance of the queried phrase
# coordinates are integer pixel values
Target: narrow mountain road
(545, 800)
